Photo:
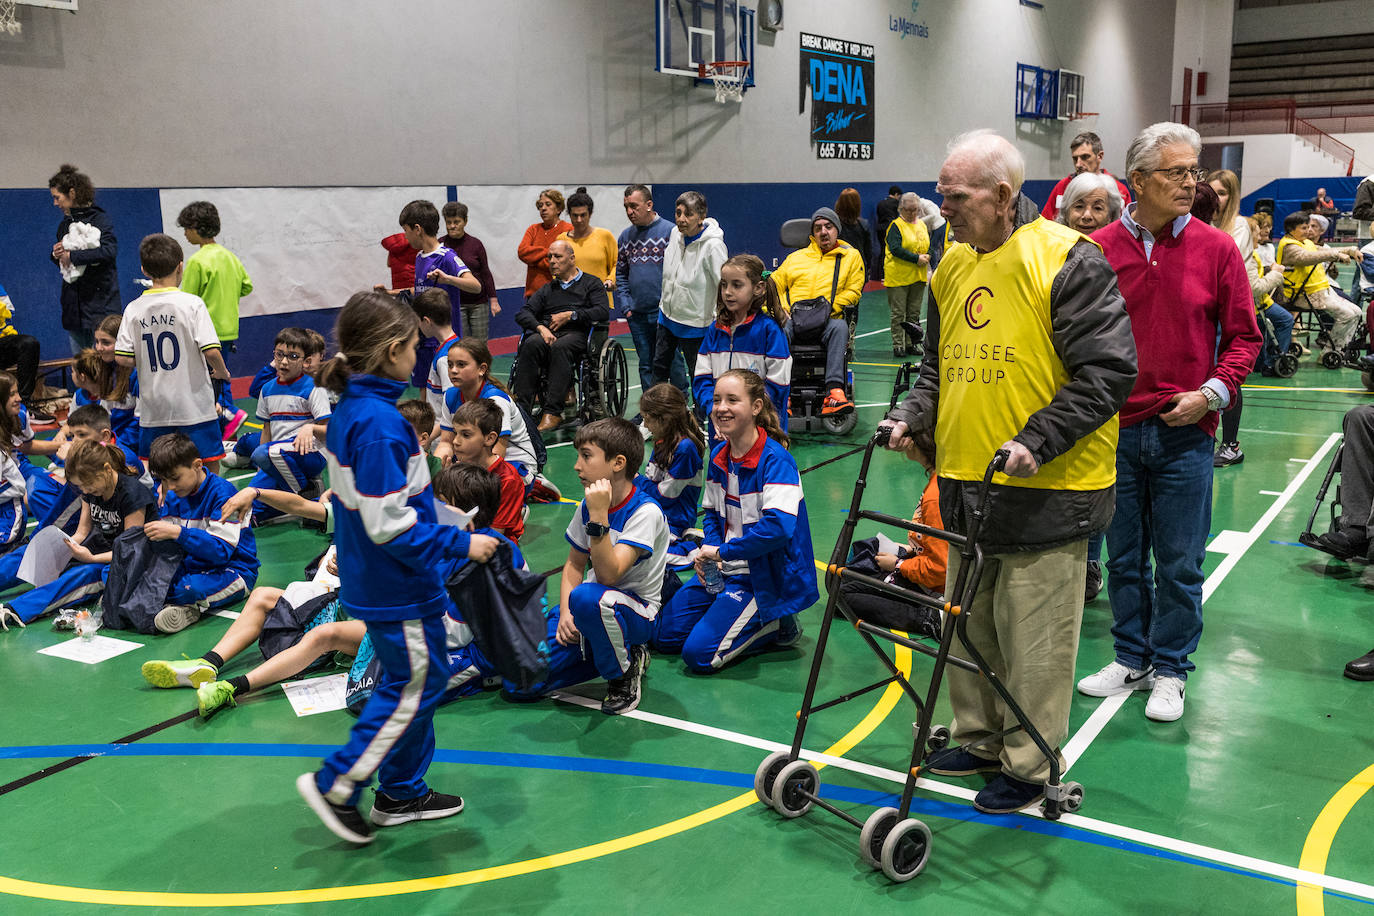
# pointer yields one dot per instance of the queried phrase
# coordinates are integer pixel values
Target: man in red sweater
(1086, 150)
(1196, 339)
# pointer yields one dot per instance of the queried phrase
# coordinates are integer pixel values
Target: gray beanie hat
(825, 213)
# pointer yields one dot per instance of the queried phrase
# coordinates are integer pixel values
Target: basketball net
(728, 78)
(9, 20)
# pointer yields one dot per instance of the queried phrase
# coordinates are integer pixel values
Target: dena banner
(837, 76)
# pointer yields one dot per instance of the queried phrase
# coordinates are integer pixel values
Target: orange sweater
(534, 251)
(931, 558)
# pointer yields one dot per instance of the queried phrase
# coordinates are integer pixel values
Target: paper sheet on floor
(45, 557)
(317, 694)
(91, 651)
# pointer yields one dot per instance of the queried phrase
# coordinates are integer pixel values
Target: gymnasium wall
(162, 100)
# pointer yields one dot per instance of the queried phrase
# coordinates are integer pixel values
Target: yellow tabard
(1315, 274)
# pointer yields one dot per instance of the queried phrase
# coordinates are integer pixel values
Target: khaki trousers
(1024, 621)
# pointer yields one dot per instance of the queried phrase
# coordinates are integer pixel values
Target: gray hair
(694, 201)
(910, 198)
(1144, 151)
(1086, 184)
(999, 161)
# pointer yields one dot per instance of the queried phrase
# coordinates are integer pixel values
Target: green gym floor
(1255, 802)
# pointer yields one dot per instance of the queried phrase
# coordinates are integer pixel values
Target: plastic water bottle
(712, 579)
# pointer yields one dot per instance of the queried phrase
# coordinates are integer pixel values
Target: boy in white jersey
(164, 333)
(293, 412)
(433, 307)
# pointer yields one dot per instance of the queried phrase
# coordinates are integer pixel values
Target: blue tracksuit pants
(712, 630)
(394, 735)
(78, 585)
(610, 624)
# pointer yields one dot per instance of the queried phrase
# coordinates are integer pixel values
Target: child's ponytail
(369, 324)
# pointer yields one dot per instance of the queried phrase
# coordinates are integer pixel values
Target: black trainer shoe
(388, 812)
(38, 414)
(789, 632)
(1227, 455)
(1093, 585)
(343, 821)
(1362, 668)
(955, 761)
(1343, 544)
(622, 694)
(1006, 794)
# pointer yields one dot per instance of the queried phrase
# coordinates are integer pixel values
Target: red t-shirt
(510, 517)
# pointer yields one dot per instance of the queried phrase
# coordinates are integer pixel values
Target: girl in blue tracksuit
(756, 530)
(389, 550)
(747, 334)
(673, 475)
(469, 369)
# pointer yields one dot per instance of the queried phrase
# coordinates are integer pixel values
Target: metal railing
(1281, 116)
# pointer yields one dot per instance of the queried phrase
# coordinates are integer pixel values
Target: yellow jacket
(808, 273)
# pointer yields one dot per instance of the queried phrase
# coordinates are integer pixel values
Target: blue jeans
(1164, 510)
(644, 332)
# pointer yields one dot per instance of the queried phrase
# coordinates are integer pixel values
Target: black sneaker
(789, 632)
(955, 761)
(38, 415)
(1007, 794)
(343, 821)
(1227, 455)
(1093, 586)
(388, 812)
(1343, 544)
(622, 694)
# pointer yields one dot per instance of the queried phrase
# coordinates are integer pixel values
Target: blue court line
(925, 806)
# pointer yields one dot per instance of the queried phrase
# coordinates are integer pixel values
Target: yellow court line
(1318, 844)
(887, 365)
(886, 703)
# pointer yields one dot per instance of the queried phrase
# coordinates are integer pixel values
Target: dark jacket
(861, 237)
(95, 293)
(1364, 200)
(1092, 335)
(586, 296)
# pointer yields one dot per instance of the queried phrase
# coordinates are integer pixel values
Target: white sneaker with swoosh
(1116, 679)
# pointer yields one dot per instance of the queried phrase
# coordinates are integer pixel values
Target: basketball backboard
(695, 32)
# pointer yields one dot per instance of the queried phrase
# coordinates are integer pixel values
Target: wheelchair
(1284, 364)
(809, 389)
(601, 381)
(1308, 322)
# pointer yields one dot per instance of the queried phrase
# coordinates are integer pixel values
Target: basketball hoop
(728, 78)
(9, 19)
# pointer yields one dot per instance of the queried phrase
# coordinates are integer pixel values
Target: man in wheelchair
(556, 321)
(833, 270)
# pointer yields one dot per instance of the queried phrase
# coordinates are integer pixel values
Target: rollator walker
(890, 839)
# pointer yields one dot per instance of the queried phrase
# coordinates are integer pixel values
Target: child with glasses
(293, 412)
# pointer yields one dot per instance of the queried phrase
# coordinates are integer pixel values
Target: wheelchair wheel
(1295, 348)
(1331, 359)
(843, 425)
(1285, 365)
(613, 380)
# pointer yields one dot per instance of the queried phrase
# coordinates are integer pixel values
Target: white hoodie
(691, 274)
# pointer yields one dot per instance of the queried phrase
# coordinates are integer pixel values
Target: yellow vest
(998, 364)
(1315, 274)
(1266, 300)
(915, 238)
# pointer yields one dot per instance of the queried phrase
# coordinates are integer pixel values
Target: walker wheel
(876, 829)
(1286, 365)
(939, 738)
(766, 775)
(1331, 359)
(1368, 378)
(1073, 797)
(787, 800)
(906, 850)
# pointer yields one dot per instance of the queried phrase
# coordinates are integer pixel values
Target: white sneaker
(233, 459)
(176, 617)
(1116, 679)
(1166, 699)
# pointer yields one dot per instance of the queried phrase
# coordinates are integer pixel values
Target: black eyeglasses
(287, 357)
(1179, 173)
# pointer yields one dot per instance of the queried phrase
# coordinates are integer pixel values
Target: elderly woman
(906, 267)
(1091, 201)
(534, 246)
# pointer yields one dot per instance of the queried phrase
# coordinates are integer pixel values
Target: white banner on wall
(305, 248)
(312, 248)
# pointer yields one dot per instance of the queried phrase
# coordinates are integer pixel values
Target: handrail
(1272, 116)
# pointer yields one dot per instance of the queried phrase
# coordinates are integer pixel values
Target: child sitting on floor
(112, 501)
(469, 367)
(757, 538)
(674, 473)
(613, 575)
(293, 411)
(476, 429)
(221, 562)
(117, 384)
(420, 415)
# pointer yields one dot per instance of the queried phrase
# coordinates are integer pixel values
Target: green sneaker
(191, 672)
(213, 697)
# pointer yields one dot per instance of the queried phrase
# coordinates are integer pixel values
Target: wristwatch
(1213, 399)
(596, 530)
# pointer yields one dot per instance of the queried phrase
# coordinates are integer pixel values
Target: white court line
(1277, 432)
(871, 333)
(1239, 544)
(1300, 460)
(232, 615)
(1143, 837)
(1270, 493)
